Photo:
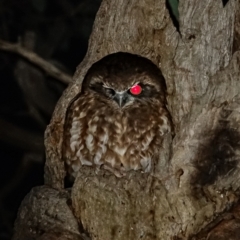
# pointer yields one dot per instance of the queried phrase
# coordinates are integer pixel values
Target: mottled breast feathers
(119, 119)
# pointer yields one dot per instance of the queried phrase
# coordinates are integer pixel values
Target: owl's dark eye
(109, 92)
(101, 89)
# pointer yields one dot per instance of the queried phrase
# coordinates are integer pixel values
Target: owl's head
(123, 79)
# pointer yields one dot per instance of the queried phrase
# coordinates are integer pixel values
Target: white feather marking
(75, 119)
(97, 158)
(74, 137)
(73, 145)
(104, 138)
(95, 119)
(146, 142)
(82, 114)
(74, 131)
(75, 128)
(104, 148)
(112, 161)
(89, 142)
(75, 167)
(165, 127)
(79, 154)
(146, 164)
(165, 120)
(191, 132)
(93, 128)
(120, 151)
(136, 167)
(118, 128)
(85, 162)
(75, 124)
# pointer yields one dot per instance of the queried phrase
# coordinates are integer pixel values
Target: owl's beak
(121, 98)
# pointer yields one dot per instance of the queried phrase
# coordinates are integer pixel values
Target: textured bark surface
(45, 214)
(197, 180)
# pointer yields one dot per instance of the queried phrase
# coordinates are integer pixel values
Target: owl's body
(118, 120)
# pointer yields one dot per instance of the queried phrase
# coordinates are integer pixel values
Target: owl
(118, 120)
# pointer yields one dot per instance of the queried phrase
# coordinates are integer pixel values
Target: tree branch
(49, 68)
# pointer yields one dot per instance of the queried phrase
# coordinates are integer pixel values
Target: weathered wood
(45, 214)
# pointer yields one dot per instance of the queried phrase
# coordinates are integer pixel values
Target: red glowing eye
(136, 90)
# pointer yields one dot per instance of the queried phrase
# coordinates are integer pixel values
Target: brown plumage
(119, 119)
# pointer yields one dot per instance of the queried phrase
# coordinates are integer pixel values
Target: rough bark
(45, 213)
(198, 181)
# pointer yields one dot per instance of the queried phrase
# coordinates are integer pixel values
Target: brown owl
(119, 119)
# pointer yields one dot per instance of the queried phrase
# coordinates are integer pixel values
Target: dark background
(58, 31)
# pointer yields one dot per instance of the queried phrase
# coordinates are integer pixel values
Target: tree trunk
(196, 185)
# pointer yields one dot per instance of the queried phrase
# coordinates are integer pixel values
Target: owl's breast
(118, 141)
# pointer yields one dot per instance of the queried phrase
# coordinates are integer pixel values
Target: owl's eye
(100, 88)
(136, 89)
(109, 91)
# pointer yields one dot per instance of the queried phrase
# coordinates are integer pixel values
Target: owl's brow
(148, 81)
(106, 86)
(96, 79)
(142, 79)
(134, 83)
(144, 82)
